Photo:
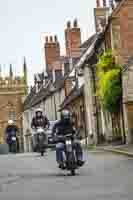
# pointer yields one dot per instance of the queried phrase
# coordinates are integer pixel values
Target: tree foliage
(109, 75)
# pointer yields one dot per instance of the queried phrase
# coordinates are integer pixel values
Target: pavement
(126, 150)
(105, 176)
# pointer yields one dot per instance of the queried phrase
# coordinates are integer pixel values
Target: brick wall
(72, 40)
(126, 30)
(52, 52)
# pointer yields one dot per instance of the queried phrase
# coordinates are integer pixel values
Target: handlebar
(64, 136)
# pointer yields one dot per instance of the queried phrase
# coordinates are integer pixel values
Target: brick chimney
(52, 52)
(101, 13)
(126, 32)
(72, 39)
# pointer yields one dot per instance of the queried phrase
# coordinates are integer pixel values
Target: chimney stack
(72, 39)
(52, 52)
(101, 14)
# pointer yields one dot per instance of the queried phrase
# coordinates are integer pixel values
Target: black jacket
(11, 129)
(63, 128)
(39, 122)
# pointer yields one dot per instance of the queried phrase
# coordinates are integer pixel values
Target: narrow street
(30, 177)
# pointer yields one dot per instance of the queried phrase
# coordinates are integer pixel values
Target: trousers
(60, 148)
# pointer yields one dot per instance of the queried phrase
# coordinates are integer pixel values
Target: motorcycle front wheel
(73, 172)
(42, 153)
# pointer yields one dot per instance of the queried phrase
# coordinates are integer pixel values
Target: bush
(110, 90)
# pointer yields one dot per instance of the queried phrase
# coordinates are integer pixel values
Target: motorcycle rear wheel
(73, 172)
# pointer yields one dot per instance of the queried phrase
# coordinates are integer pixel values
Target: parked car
(49, 133)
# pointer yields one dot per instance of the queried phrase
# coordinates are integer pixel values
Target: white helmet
(39, 110)
(10, 122)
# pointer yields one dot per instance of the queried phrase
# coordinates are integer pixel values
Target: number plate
(68, 142)
(69, 145)
(13, 138)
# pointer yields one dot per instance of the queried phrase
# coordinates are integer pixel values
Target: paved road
(29, 177)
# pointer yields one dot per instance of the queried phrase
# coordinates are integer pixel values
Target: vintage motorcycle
(41, 140)
(69, 154)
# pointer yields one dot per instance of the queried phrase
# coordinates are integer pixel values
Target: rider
(11, 130)
(39, 121)
(63, 127)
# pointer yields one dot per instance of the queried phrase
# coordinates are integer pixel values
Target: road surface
(29, 177)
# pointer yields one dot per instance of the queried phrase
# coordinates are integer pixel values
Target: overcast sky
(23, 21)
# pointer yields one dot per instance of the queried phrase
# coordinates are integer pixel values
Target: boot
(80, 163)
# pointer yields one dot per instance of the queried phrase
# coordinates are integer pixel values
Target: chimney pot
(68, 24)
(75, 23)
(46, 39)
(55, 38)
(51, 39)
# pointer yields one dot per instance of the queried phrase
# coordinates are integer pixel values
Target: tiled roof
(35, 98)
(88, 42)
(90, 50)
(71, 97)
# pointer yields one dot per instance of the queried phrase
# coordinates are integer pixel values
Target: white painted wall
(90, 120)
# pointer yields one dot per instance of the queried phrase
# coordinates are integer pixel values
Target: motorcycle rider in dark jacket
(11, 131)
(64, 127)
(39, 120)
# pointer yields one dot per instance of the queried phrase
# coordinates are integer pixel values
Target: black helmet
(66, 115)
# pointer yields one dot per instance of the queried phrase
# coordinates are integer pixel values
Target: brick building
(13, 89)
(116, 23)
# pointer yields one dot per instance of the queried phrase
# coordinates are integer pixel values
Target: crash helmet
(10, 122)
(39, 112)
(66, 115)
